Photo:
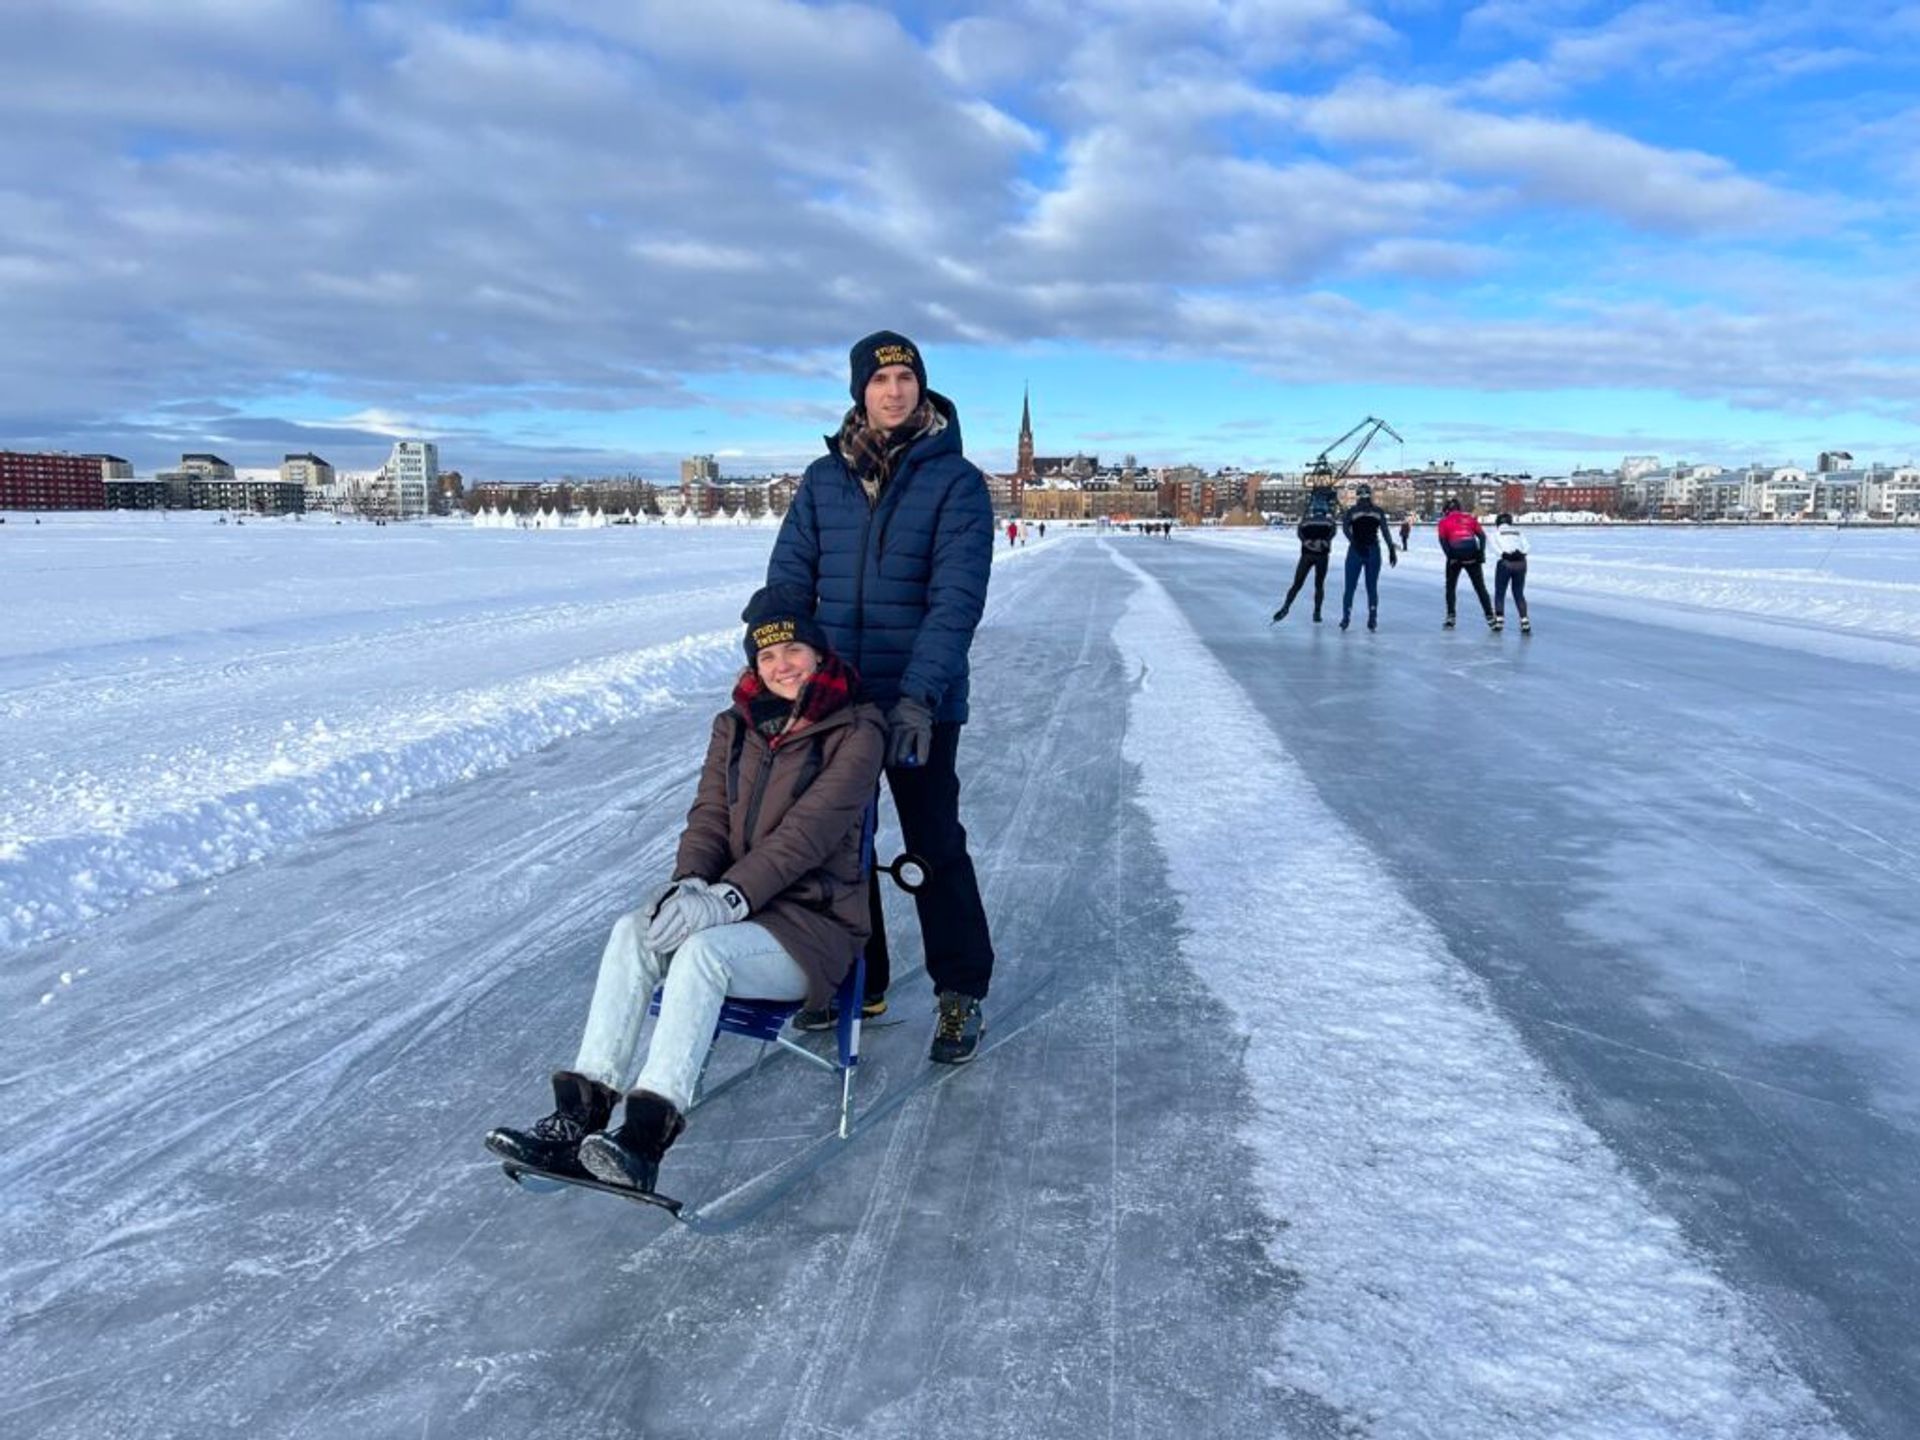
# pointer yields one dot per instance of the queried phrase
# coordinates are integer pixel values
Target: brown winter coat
(800, 866)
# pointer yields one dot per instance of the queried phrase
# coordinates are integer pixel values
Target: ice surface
(1443, 1035)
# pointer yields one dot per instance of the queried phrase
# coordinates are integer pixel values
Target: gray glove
(909, 733)
(693, 905)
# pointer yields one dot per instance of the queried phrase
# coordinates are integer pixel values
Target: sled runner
(758, 1193)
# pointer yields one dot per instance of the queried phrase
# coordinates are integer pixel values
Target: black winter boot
(631, 1155)
(582, 1107)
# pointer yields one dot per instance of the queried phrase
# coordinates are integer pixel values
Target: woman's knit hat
(778, 615)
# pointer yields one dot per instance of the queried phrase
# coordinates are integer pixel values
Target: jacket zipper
(753, 801)
(860, 584)
(766, 772)
(880, 549)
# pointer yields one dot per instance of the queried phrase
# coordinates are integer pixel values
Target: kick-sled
(765, 1022)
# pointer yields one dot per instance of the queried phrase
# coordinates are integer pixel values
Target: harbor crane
(1328, 472)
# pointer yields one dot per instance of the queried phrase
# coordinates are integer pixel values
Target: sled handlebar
(908, 871)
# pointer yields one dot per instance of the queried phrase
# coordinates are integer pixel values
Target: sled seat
(766, 1021)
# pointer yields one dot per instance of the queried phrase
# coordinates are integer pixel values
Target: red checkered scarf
(872, 454)
(832, 687)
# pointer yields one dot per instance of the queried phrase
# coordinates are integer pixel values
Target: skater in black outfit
(1365, 525)
(1316, 531)
(1509, 542)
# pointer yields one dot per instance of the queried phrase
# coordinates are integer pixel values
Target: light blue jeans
(740, 959)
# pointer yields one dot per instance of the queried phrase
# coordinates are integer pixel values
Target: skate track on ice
(246, 1194)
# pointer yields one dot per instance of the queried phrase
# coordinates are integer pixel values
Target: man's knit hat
(878, 350)
(779, 614)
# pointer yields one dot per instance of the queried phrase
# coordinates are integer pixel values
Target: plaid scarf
(873, 454)
(832, 687)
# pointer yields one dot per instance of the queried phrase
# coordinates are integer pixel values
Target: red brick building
(30, 481)
(1585, 493)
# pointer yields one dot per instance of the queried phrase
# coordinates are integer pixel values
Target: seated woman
(767, 901)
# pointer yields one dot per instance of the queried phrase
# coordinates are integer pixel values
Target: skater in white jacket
(1509, 542)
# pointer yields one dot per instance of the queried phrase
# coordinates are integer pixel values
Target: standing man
(892, 531)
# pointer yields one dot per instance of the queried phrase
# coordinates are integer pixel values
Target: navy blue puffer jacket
(902, 581)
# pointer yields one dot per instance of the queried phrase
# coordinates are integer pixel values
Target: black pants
(1475, 573)
(1514, 573)
(953, 922)
(1312, 563)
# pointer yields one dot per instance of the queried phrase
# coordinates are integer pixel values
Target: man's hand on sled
(909, 733)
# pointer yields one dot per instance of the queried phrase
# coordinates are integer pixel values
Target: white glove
(693, 905)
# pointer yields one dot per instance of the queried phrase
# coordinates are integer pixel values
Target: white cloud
(1554, 161)
(582, 203)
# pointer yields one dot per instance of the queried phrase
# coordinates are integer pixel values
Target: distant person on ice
(1406, 532)
(893, 530)
(1013, 533)
(765, 902)
(1316, 531)
(1365, 526)
(1510, 544)
(1465, 544)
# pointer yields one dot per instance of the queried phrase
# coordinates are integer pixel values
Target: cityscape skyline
(566, 237)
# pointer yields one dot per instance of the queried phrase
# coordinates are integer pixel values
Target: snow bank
(1474, 1263)
(324, 777)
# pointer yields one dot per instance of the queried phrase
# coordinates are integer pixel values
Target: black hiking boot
(1373, 619)
(1281, 613)
(1526, 626)
(631, 1155)
(553, 1143)
(957, 1030)
(871, 1008)
(1494, 622)
(1345, 620)
(1316, 614)
(1449, 624)
(1498, 622)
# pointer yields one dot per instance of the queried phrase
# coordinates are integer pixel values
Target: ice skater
(1465, 545)
(1510, 544)
(1365, 525)
(1316, 531)
(766, 900)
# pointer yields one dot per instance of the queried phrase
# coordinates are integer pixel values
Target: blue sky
(591, 236)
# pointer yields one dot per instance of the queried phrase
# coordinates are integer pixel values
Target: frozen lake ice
(1420, 1034)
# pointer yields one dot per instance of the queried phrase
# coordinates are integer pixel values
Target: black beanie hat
(778, 614)
(882, 348)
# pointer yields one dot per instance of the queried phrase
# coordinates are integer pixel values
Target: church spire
(1023, 469)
